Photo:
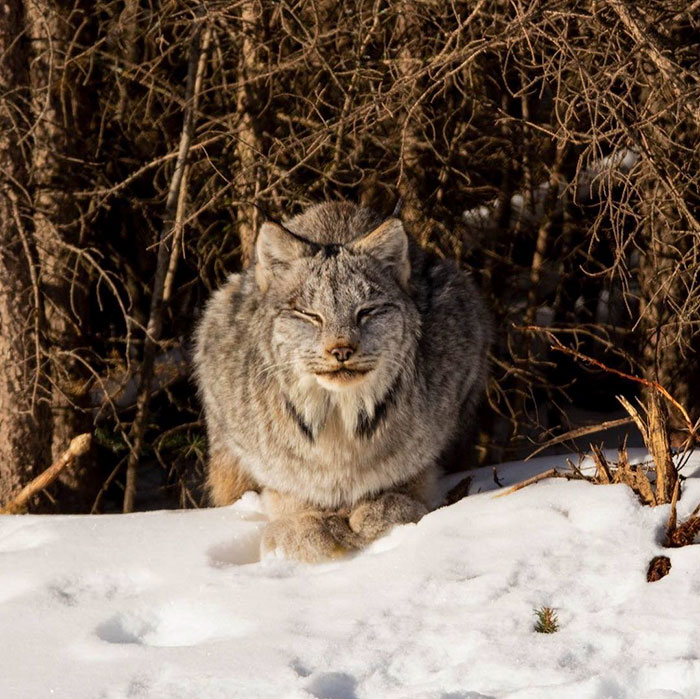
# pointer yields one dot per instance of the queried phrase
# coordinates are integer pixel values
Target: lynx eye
(367, 312)
(308, 316)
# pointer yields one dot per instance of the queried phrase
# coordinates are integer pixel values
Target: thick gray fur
(363, 445)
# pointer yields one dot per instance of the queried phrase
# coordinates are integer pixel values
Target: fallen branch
(579, 473)
(581, 432)
(551, 473)
(18, 504)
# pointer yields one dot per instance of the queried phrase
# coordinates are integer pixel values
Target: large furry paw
(310, 537)
(375, 517)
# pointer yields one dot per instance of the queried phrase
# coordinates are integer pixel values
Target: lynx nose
(342, 352)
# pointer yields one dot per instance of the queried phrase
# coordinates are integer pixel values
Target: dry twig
(550, 473)
(603, 474)
(580, 432)
(18, 503)
(559, 347)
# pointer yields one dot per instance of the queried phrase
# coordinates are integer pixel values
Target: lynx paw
(310, 537)
(375, 517)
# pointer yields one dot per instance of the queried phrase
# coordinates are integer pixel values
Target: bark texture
(24, 421)
(62, 125)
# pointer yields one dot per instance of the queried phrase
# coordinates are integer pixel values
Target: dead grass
(684, 534)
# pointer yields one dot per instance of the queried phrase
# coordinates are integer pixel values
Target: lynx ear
(275, 247)
(389, 244)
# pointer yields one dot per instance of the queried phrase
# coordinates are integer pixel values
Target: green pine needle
(547, 621)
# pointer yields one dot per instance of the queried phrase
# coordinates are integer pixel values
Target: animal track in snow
(75, 590)
(300, 668)
(183, 622)
(333, 685)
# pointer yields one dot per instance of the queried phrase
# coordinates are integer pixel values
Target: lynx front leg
(310, 537)
(305, 533)
(372, 518)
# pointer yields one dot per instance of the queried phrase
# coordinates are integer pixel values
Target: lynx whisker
(269, 368)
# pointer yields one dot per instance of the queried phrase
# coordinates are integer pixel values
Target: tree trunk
(248, 146)
(60, 118)
(670, 339)
(24, 420)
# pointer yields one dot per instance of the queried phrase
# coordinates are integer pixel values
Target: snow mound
(177, 604)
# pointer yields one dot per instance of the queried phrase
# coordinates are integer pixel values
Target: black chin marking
(330, 250)
(301, 424)
(367, 426)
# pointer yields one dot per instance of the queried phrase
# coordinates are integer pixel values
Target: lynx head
(341, 313)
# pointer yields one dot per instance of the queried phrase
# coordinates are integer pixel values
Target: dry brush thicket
(551, 147)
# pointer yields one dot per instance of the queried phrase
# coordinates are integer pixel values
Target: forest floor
(176, 604)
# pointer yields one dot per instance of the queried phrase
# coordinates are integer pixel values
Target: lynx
(335, 374)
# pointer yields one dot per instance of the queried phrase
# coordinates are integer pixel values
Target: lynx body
(335, 374)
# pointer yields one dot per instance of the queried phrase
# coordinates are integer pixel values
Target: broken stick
(18, 503)
(551, 473)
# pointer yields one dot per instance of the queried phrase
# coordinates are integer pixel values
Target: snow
(177, 604)
(591, 183)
